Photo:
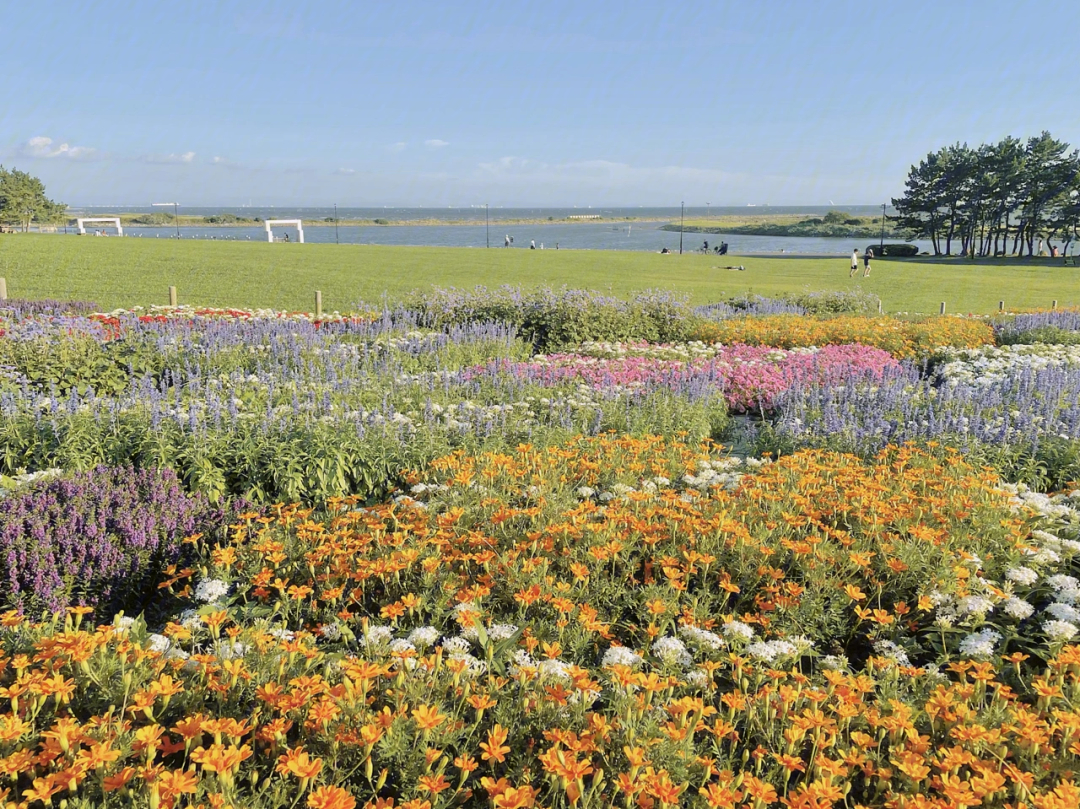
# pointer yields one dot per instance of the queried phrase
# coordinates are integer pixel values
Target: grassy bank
(127, 272)
(843, 225)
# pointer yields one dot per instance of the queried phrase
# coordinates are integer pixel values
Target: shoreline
(197, 221)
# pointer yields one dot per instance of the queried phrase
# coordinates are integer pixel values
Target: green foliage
(556, 319)
(381, 221)
(993, 199)
(855, 302)
(901, 250)
(23, 200)
(152, 219)
(228, 219)
(56, 366)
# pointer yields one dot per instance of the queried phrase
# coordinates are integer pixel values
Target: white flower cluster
(423, 636)
(459, 648)
(672, 652)
(620, 656)
(210, 591)
(702, 637)
(738, 630)
(673, 352)
(980, 644)
(991, 364)
(679, 352)
(709, 473)
(9, 484)
(771, 650)
(1059, 630)
(1022, 575)
(722, 473)
(332, 633)
(1063, 507)
(889, 650)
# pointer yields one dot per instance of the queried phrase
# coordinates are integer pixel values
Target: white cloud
(345, 172)
(166, 159)
(41, 146)
(435, 143)
(397, 147)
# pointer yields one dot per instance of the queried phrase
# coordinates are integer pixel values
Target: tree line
(23, 200)
(1006, 198)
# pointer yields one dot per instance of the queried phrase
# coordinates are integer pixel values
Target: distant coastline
(137, 220)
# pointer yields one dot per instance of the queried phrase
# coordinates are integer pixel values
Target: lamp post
(881, 246)
(487, 226)
(682, 214)
(176, 213)
(336, 239)
(707, 209)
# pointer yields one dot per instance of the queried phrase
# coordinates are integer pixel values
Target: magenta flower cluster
(750, 377)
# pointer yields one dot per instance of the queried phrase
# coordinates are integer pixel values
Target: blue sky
(515, 103)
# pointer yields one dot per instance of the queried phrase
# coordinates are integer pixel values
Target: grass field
(128, 272)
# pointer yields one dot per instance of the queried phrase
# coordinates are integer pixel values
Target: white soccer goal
(113, 220)
(296, 223)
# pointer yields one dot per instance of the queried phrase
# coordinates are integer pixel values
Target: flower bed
(750, 377)
(901, 338)
(803, 632)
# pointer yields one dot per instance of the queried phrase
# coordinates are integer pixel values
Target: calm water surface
(645, 236)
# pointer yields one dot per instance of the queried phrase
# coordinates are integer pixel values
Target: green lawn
(127, 272)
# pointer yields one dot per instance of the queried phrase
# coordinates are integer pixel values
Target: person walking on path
(854, 263)
(869, 254)
(532, 244)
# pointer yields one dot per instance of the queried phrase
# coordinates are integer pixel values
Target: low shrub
(835, 302)
(100, 538)
(894, 250)
(556, 319)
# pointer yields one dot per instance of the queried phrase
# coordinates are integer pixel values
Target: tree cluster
(981, 199)
(23, 200)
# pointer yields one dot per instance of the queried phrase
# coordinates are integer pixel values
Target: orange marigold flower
(298, 763)
(331, 797)
(433, 783)
(117, 780)
(178, 782)
(428, 717)
(494, 749)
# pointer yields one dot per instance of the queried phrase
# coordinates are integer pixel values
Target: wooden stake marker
(172, 296)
